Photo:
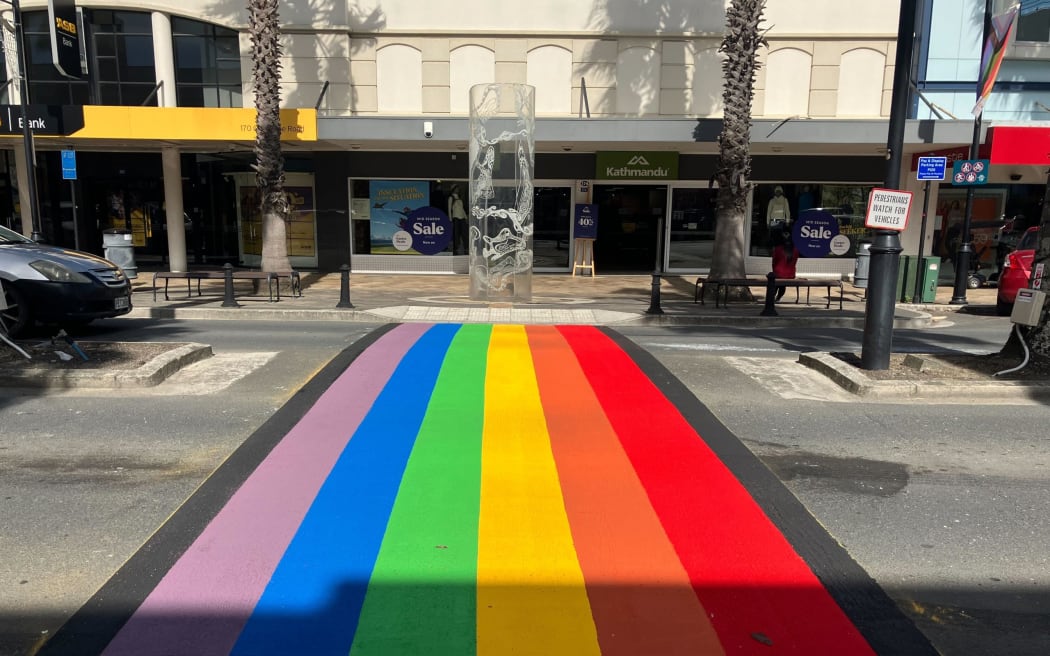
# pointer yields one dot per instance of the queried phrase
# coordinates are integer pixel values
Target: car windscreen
(1029, 240)
(11, 237)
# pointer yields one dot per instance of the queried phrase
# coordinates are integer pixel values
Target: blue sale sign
(813, 232)
(586, 222)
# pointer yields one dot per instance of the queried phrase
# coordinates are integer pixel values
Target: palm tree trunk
(265, 31)
(740, 49)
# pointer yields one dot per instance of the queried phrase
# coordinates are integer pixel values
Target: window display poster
(390, 204)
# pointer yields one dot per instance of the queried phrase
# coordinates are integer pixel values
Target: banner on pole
(1002, 27)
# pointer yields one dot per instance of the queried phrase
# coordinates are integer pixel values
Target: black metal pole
(654, 292)
(27, 133)
(770, 310)
(886, 247)
(344, 287)
(962, 258)
(922, 243)
(228, 300)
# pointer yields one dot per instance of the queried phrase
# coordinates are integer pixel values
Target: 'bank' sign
(630, 165)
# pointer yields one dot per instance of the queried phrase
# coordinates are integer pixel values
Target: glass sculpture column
(502, 121)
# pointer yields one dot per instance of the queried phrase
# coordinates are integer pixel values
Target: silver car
(45, 284)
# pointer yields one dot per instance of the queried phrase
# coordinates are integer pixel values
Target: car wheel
(1003, 309)
(974, 282)
(15, 317)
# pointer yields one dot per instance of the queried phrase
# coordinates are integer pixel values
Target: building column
(174, 212)
(173, 209)
(22, 175)
(164, 59)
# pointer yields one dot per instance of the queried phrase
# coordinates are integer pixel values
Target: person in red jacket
(785, 256)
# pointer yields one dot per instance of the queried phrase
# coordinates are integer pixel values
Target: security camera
(428, 129)
(1015, 176)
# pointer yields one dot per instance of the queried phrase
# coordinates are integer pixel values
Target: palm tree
(264, 29)
(739, 48)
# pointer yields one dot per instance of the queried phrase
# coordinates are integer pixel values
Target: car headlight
(58, 273)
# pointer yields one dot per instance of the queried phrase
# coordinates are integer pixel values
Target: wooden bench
(722, 287)
(273, 280)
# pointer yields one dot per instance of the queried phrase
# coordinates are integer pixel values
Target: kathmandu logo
(637, 167)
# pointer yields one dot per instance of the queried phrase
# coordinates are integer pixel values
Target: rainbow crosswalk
(478, 489)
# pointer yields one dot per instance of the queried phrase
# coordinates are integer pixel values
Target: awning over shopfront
(1024, 146)
(182, 125)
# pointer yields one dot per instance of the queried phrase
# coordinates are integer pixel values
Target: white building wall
(399, 56)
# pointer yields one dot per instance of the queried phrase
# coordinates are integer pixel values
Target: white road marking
(212, 374)
(790, 380)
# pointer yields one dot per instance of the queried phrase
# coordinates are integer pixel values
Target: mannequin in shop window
(777, 211)
(460, 227)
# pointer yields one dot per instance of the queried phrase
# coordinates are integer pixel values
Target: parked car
(1017, 269)
(53, 285)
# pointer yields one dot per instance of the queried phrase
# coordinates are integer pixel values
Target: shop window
(1033, 24)
(46, 84)
(120, 52)
(780, 211)
(380, 208)
(207, 64)
(692, 235)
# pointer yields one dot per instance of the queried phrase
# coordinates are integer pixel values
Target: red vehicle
(1017, 269)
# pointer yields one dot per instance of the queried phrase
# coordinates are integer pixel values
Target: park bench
(722, 287)
(272, 278)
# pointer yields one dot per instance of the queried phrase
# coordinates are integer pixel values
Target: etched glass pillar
(502, 120)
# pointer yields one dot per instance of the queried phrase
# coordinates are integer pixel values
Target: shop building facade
(167, 125)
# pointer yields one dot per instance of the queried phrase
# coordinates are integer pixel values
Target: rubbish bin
(118, 249)
(863, 264)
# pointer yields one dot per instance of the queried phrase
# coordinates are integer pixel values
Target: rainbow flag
(995, 45)
(478, 489)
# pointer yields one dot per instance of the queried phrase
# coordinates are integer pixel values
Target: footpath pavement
(556, 299)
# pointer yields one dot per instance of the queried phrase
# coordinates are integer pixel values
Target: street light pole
(27, 132)
(886, 247)
(963, 257)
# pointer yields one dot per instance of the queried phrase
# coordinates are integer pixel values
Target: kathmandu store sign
(626, 165)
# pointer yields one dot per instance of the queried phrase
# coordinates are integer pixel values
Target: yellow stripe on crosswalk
(531, 594)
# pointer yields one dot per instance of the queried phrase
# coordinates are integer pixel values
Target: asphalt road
(943, 503)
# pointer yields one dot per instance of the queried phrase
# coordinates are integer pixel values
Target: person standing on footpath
(785, 257)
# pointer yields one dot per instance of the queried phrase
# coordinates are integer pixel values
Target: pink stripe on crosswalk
(203, 602)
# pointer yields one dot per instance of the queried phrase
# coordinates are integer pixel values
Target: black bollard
(770, 309)
(228, 300)
(654, 296)
(344, 287)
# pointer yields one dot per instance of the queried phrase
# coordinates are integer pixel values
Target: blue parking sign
(69, 165)
(932, 168)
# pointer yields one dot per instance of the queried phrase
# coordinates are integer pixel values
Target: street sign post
(931, 168)
(69, 165)
(970, 172)
(888, 210)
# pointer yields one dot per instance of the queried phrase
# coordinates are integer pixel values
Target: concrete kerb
(855, 381)
(149, 374)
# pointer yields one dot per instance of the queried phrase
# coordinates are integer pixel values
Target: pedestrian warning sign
(888, 209)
